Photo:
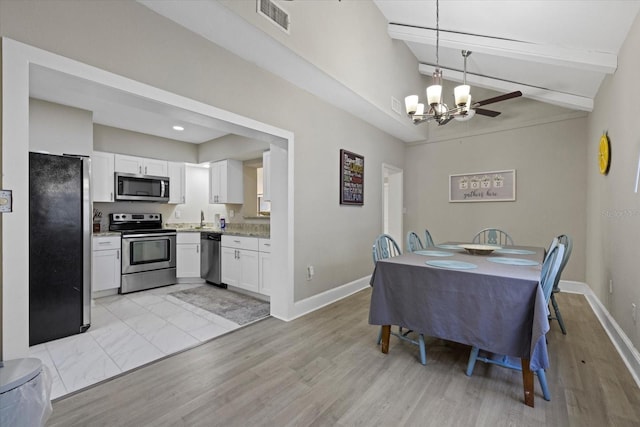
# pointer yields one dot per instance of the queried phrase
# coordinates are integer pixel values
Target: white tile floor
(127, 331)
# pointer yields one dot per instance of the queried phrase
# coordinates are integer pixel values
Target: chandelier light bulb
(461, 94)
(434, 94)
(420, 110)
(411, 104)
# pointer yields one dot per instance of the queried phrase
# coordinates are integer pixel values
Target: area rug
(234, 306)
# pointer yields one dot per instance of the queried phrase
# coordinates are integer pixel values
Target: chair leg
(423, 352)
(472, 360)
(542, 378)
(379, 336)
(558, 315)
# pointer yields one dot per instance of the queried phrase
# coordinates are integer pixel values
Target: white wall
(613, 208)
(550, 162)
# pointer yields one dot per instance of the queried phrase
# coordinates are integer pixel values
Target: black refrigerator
(59, 246)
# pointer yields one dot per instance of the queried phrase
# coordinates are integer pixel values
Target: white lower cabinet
(105, 272)
(240, 262)
(264, 267)
(188, 255)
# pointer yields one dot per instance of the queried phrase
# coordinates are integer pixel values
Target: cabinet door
(230, 272)
(226, 182)
(264, 273)
(128, 164)
(102, 180)
(105, 273)
(177, 182)
(155, 167)
(188, 260)
(232, 181)
(266, 176)
(214, 182)
(249, 270)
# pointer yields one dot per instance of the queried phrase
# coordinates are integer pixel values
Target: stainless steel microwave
(141, 188)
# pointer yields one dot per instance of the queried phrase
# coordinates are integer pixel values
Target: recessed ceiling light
(178, 128)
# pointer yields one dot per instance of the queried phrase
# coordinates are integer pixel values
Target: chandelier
(437, 109)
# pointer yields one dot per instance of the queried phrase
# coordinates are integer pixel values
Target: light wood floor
(325, 369)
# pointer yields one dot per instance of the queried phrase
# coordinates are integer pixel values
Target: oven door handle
(147, 235)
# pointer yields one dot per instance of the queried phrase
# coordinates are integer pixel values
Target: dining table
(491, 301)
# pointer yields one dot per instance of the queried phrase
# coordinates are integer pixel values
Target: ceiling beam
(561, 99)
(600, 62)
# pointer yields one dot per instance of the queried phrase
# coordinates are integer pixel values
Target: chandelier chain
(437, 33)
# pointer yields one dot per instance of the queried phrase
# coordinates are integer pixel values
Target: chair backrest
(385, 247)
(568, 246)
(428, 241)
(413, 242)
(551, 270)
(493, 236)
(565, 240)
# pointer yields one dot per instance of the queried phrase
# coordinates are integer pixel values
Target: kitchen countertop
(192, 229)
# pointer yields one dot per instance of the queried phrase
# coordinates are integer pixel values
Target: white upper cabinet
(102, 180)
(226, 182)
(266, 176)
(177, 182)
(140, 165)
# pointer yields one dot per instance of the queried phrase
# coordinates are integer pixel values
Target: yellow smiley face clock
(604, 154)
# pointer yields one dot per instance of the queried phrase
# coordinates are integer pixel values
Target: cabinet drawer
(240, 242)
(187, 237)
(264, 245)
(106, 242)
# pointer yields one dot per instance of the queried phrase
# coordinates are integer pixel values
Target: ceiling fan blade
(497, 99)
(489, 113)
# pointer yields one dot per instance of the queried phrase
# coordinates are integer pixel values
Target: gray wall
(129, 39)
(550, 162)
(121, 141)
(58, 129)
(613, 207)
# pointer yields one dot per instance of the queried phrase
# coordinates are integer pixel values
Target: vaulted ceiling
(557, 52)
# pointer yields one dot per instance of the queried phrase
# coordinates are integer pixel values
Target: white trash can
(25, 393)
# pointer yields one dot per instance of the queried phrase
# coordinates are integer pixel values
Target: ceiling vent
(274, 13)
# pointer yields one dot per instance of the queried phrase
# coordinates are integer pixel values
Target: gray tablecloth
(497, 307)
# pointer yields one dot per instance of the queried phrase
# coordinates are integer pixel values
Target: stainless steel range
(148, 251)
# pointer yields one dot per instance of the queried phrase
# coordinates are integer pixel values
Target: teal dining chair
(386, 247)
(493, 236)
(428, 241)
(413, 242)
(550, 269)
(568, 246)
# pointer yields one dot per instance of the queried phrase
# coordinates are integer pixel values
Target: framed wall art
(494, 186)
(351, 178)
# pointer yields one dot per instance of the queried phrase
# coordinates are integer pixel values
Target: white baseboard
(307, 305)
(621, 342)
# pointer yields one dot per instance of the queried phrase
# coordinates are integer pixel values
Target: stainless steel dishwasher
(210, 264)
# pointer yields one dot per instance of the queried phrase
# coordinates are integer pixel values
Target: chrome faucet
(201, 219)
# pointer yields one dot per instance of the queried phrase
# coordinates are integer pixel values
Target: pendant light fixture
(438, 110)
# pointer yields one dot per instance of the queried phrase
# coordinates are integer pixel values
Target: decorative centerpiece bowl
(477, 249)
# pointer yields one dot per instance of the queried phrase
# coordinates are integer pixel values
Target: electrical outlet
(231, 213)
(610, 286)
(633, 313)
(310, 272)
(177, 214)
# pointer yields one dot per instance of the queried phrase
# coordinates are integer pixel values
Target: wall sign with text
(496, 186)
(351, 178)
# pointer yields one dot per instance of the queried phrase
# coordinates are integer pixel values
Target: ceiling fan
(439, 111)
(464, 110)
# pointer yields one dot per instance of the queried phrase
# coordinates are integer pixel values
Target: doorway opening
(392, 202)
